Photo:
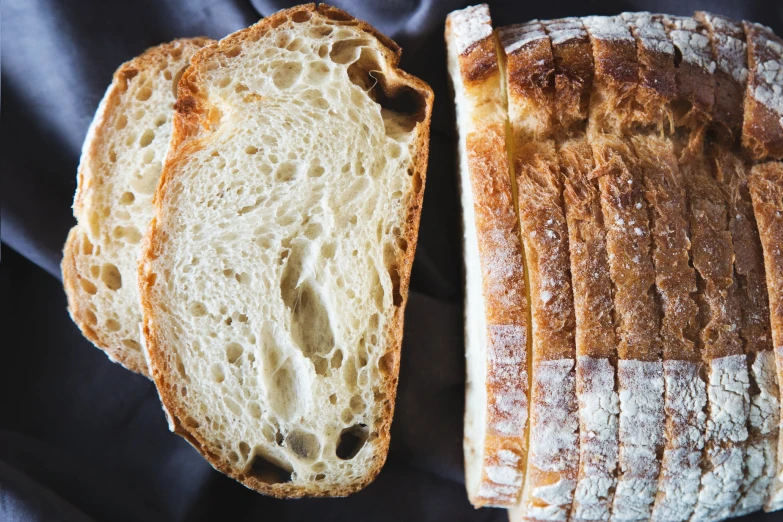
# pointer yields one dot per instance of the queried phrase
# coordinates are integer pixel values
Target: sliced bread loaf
(120, 165)
(274, 275)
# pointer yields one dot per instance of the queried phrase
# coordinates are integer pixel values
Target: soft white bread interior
(120, 165)
(274, 275)
(495, 302)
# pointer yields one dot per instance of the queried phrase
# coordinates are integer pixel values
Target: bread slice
(762, 127)
(730, 54)
(595, 340)
(119, 169)
(766, 189)
(496, 315)
(711, 254)
(274, 275)
(628, 244)
(754, 330)
(553, 458)
(731, 74)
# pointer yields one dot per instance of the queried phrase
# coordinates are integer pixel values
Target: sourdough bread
(274, 274)
(119, 169)
(496, 315)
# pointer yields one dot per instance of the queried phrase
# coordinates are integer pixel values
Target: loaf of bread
(274, 274)
(640, 147)
(121, 162)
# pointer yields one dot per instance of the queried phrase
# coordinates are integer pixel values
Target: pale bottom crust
(641, 387)
(599, 407)
(725, 436)
(684, 402)
(549, 487)
(763, 424)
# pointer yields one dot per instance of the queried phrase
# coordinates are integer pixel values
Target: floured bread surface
(766, 190)
(274, 274)
(496, 413)
(762, 127)
(120, 166)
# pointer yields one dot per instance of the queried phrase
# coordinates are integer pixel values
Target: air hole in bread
(351, 441)
(301, 16)
(95, 271)
(347, 51)
(295, 45)
(233, 457)
(127, 198)
(287, 75)
(386, 363)
(244, 450)
(111, 277)
(197, 309)
(286, 172)
(121, 122)
(146, 138)
(233, 352)
(232, 406)
(357, 404)
(144, 93)
(131, 344)
(334, 14)
(346, 416)
(112, 325)
(304, 445)
(217, 374)
(333, 399)
(90, 317)
(189, 421)
(337, 360)
(268, 471)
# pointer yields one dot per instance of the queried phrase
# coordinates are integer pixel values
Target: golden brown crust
(713, 258)
(573, 63)
(529, 71)
(762, 128)
(730, 54)
(766, 189)
(545, 238)
(192, 118)
(616, 74)
(595, 336)
(675, 279)
(89, 177)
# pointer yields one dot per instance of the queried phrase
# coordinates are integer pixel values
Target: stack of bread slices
(247, 214)
(623, 225)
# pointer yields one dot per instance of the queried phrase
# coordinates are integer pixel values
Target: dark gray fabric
(82, 439)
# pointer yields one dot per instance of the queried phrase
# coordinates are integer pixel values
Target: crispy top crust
(655, 55)
(471, 29)
(695, 83)
(762, 130)
(616, 73)
(730, 54)
(529, 78)
(573, 61)
(192, 120)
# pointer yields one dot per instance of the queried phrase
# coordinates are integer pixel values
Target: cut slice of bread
(628, 243)
(712, 257)
(762, 126)
(596, 347)
(553, 457)
(766, 190)
(274, 274)
(119, 169)
(496, 332)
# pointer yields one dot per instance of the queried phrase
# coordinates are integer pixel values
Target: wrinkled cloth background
(82, 439)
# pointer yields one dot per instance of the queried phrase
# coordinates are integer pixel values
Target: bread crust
(766, 190)
(191, 120)
(472, 47)
(762, 126)
(729, 51)
(553, 460)
(89, 178)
